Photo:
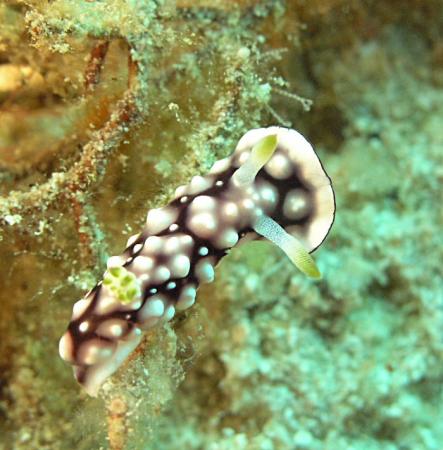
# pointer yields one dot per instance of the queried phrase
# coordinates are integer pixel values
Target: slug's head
(298, 204)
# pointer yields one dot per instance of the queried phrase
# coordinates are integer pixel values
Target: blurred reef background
(107, 106)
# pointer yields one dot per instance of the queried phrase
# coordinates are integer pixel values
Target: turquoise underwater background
(106, 107)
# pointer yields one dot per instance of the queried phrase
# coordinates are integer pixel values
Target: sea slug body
(272, 186)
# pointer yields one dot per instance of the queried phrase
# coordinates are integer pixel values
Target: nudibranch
(272, 186)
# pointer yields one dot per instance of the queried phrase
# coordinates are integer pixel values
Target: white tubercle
(154, 307)
(186, 298)
(172, 245)
(132, 239)
(153, 244)
(227, 238)
(94, 351)
(161, 274)
(181, 190)
(296, 204)
(115, 330)
(230, 212)
(106, 302)
(142, 264)
(160, 219)
(115, 261)
(198, 184)
(84, 326)
(132, 306)
(186, 241)
(171, 285)
(243, 156)
(203, 251)
(204, 271)
(144, 278)
(220, 166)
(169, 313)
(180, 266)
(112, 328)
(79, 308)
(279, 167)
(203, 224)
(137, 248)
(203, 203)
(268, 196)
(65, 347)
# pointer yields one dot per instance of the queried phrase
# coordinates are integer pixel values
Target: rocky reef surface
(106, 107)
